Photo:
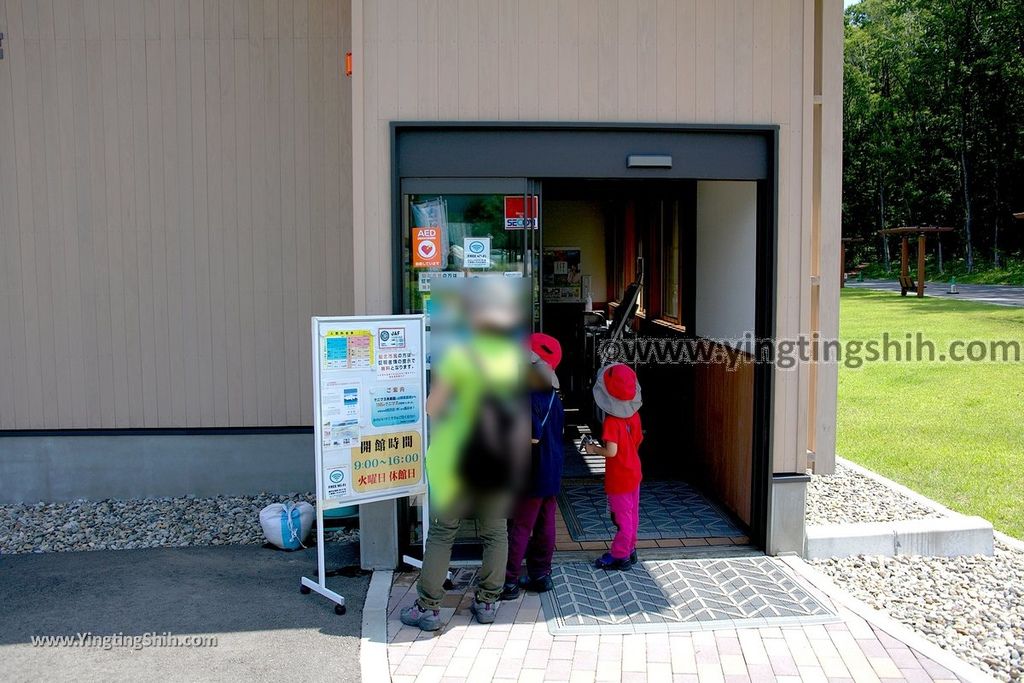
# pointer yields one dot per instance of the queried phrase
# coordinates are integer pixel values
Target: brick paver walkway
(518, 647)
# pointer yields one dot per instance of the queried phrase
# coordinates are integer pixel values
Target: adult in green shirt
(491, 360)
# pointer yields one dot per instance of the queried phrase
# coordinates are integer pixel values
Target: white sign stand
(367, 357)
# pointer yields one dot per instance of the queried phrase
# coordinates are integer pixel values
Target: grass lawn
(951, 431)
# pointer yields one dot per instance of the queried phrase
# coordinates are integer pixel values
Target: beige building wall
(702, 61)
(177, 197)
(175, 203)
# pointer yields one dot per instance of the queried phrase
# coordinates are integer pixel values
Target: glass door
(459, 228)
(471, 227)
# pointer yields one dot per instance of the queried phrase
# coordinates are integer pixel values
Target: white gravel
(849, 497)
(971, 605)
(142, 523)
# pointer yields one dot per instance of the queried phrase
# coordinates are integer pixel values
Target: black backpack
(497, 455)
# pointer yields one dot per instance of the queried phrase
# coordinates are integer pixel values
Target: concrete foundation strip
(373, 646)
(1008, 541)
(942, 537)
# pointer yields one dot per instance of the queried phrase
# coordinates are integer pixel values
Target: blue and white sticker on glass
(476, 252)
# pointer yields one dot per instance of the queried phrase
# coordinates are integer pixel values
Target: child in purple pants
(617, 393)
(531, 529)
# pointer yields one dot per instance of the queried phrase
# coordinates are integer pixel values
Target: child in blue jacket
(531, 530)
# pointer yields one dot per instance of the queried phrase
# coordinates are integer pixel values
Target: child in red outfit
(617, 393)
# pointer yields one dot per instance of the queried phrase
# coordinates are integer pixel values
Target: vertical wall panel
(175, 186)
(829, 214)
(10, 253)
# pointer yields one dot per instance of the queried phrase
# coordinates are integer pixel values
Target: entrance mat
(668, 509)
(679, 595)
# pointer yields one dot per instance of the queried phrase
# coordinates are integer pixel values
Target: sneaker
(541, 584)
(633, 559)
(485, 612)
(425, 619)
(608, 562)
(510, 591)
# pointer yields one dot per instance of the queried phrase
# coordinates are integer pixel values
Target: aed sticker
(476, 252)
(391, 338)
(426, 247)
(387, 461)
(336, 484)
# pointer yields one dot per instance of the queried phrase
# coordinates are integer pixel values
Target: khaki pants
(438, 553)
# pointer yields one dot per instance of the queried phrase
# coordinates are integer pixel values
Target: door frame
(536, 150)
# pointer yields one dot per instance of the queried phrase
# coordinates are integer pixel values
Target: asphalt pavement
(246, 597)
(1000, 295)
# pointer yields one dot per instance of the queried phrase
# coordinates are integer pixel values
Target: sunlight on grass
(952, 431)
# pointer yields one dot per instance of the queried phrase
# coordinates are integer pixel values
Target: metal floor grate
(680, 595)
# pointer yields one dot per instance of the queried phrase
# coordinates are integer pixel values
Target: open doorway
(681, 255)
(686, 215)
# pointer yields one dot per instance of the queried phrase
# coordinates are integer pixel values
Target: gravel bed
(971, 605)
(143, 523)
(848, 497)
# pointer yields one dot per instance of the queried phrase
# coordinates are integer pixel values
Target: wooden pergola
(905, 232)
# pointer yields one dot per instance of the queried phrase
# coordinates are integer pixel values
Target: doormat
(680, 595)
(668, 509)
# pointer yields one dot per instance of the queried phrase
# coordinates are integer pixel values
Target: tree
(933, 96)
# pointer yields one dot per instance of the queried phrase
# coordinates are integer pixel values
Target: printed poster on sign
(370, 387)
(397, 364)
(391, 338)
(347, 349)
(339, 414)
(476, 252)
(337, 482)
(386, 460)
(393, 405)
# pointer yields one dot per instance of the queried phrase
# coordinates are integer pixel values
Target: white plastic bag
(287, 525)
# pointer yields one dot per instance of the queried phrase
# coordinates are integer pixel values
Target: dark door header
(554, 150)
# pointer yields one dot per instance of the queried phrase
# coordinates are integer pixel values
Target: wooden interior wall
(723, 408)
(175, 203)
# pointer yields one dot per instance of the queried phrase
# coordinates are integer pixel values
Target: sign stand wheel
(308, 585)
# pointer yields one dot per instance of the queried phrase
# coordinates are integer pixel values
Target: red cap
(547, 347)
(620, 381)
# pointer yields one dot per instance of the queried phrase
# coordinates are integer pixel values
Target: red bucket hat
(545, 355)
(617, 390)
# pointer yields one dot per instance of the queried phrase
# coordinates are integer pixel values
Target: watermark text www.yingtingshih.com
(122, 641)
(787, 354)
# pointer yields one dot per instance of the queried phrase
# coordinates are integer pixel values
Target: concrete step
(932, 537)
